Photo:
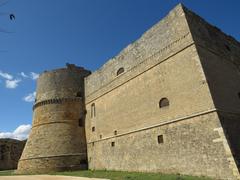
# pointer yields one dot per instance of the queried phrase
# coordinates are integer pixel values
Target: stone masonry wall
(127, 119)
(189, 146)
(57, 140)
(10, 152)
(162, 39)
(220, 57)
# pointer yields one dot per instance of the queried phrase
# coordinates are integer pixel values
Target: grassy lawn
(6, 173)
(118, 175)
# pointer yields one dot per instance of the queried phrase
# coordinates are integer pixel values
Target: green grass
(6, 173)
(119, 175)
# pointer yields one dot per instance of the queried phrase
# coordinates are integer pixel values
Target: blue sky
(48, 33)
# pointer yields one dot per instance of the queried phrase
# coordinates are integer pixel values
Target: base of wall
(52, 164)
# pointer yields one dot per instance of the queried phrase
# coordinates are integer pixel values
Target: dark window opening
(160, 139)
(115, 132)
(93, 129)
(79, 94)
(164, 102)
(80, 122)
(100, 136)
(112, 144)
(2, 151)
(227, 47)
(92, 143)
(83, 161)
(120, 71)
(239, 95)
(93, 110)
(1, 157)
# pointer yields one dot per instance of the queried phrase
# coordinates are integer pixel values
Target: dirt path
(46, 177)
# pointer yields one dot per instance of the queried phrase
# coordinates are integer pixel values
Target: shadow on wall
(231, 126)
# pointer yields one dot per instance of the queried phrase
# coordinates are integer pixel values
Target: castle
(169, 102)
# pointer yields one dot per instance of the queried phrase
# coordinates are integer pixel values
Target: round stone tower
(57, 140)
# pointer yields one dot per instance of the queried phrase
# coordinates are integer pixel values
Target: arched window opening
(93, 128)
(164, 102)
(120, 71)
(93, 110)
(115, 132)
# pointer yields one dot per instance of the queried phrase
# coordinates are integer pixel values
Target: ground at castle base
(46, 177)
(95, 174)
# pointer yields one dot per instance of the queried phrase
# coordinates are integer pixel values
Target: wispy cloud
(12, 84)
(6, 75)
(34, 75)
(30, 97)
(23, 75)
(20, 133)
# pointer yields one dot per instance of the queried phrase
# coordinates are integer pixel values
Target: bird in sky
(12, 17)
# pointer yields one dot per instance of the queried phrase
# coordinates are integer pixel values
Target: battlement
(69, 67)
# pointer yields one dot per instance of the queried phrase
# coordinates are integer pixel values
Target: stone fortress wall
(166, 62)
(169, 102)
(10, 152)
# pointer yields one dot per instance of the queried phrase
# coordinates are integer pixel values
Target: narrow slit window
(164, 102)
(93, 110)
(120, 71)
(160, 139)
(112, 144)
(80, 122)
(93, 128)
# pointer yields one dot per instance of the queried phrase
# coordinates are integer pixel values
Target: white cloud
(20, 133)
(23, 75)
(6, 75)
(34, 75)
(30, 97)
(12, 84)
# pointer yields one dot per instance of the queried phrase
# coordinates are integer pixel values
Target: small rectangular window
(112, 144)
(1, 157)
(93, 128)
(92, 143)
(80, 122)
(100, 136)
(115, 132)
(160, 139)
